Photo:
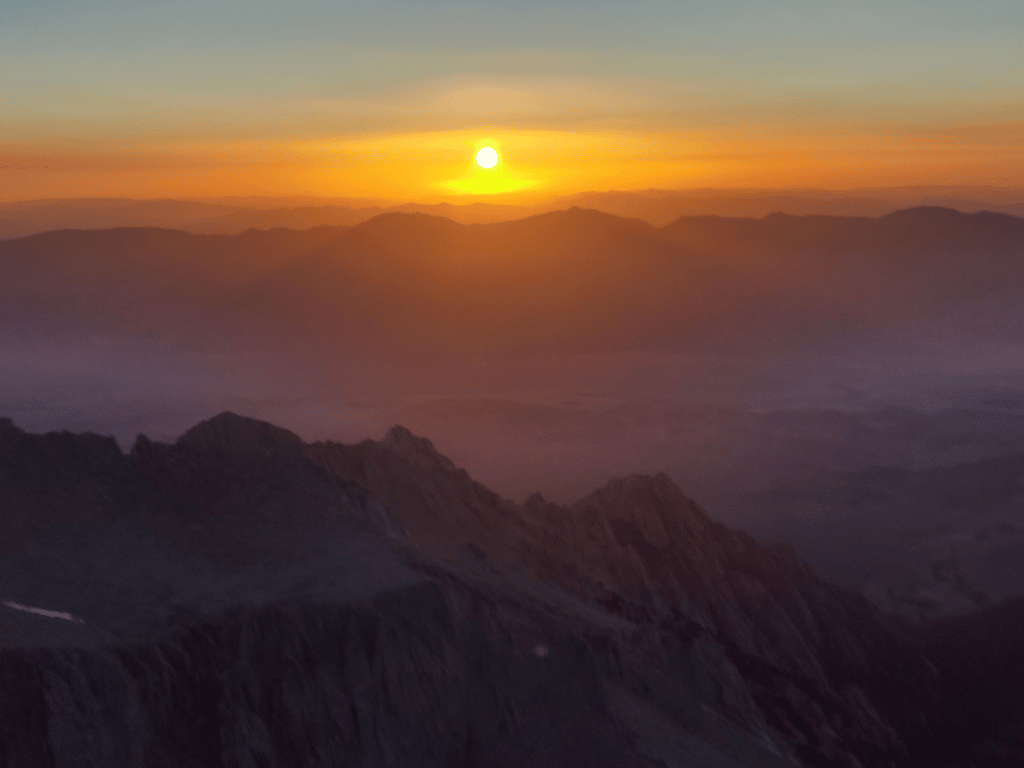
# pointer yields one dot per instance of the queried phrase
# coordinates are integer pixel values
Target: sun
(488, 172)
(487, 157)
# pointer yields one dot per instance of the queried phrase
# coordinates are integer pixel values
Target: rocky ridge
(639, 549)
(248, 599)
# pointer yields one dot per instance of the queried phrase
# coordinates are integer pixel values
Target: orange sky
(435, 165)
(143, 99)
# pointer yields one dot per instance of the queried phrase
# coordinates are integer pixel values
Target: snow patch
(43, 612)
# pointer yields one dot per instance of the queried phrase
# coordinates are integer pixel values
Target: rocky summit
(242, 598)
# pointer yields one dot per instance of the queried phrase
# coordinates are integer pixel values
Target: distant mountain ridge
(712, 282)
(659, 207)
(574, 279)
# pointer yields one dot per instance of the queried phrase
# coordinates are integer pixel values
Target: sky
(391, 99)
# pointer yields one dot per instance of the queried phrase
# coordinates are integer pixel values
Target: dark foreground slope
(247, 599)
(981, 724)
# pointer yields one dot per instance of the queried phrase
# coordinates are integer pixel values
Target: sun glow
(487, 157)
(489, 173)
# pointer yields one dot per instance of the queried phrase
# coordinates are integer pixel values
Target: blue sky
(94, 52)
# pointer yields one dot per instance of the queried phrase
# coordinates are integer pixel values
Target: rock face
(805, 652)
(250, 600)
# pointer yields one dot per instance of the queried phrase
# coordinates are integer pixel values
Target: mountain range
(561, 281)
(241, 597)
(659, 207)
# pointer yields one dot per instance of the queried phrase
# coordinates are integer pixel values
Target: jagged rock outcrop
(640, 549)
(248, 599)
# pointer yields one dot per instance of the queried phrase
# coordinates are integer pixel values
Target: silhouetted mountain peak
(636, 488)
(418, 451)
(61, 453)
(535, 501)
(590, 217)
(399, 221)
(926, 213)
(88, 472)
(230, 432)
(651, 506)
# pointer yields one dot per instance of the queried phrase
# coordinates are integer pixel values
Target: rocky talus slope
(246, 599)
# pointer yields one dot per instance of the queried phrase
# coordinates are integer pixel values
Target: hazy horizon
(996, 194)
(234, 215)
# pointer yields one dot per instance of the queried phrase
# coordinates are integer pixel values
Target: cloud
(570, 99)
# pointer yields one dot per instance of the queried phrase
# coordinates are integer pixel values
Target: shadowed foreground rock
(250, 600)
